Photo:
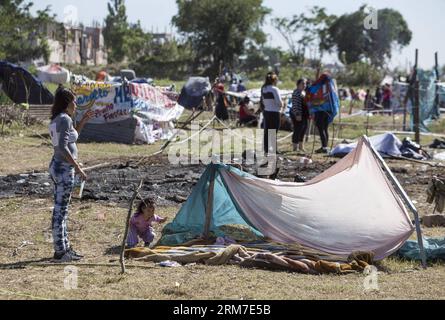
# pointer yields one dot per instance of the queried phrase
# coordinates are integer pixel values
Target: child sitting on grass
(141, 223)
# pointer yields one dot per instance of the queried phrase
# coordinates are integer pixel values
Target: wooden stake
(209, 207)
(405, 197)
(417, 113)
(127, 225)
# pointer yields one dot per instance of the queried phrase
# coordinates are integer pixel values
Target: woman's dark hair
(300, 81)
(146, 203)
(62, 99)
(271, 78)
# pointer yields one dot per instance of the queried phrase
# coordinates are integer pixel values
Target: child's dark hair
(146, 203)
(62, 99)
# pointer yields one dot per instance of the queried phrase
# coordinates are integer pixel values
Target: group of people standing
(299, 114)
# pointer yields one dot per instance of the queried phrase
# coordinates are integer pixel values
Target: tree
(306, 32)
(116, 27)
(22, 36)
(355, 43)
(219, 30)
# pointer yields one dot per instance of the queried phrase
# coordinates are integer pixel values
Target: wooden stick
(417, 113)
(97, 166)
(127, 225)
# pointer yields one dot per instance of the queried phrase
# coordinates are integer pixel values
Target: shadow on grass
(113, 251)
(23, 264)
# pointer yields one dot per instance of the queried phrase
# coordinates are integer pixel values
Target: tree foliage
(219, 30)
(355, 43)
(115, 30)
(22, 36)
(306, 32)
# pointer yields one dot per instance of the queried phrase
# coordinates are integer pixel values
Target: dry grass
(28, 219)
(30, 150)
(25, 219)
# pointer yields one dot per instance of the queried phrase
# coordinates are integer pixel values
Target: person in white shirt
(271, 105)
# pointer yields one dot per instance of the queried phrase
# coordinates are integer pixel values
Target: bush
(359, 74)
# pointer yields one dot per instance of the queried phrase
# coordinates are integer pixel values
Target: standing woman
(62, 167)
(299, 115)
(272, 104)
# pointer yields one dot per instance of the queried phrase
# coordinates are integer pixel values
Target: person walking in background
(272, 104)
(299, 115)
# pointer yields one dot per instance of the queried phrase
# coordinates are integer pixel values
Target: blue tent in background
(22, 87)
(193, 92)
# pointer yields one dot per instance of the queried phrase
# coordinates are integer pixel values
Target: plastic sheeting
(22, 87)
(386, 144)
(53, 74)
(429, 110)
(434, 249)
(194, 90)
(117, 102)
(350, 207)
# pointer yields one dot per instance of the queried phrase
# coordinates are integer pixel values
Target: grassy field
(96, 230)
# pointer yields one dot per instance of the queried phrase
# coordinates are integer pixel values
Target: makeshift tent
(429, 109)
(53, 74)
(322, 96)
(386, 144)
(193, 92)
(114, 104)
(22, 87)
(350, 207)
(428, 90)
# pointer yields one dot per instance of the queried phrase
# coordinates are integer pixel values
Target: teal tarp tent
(190, 222)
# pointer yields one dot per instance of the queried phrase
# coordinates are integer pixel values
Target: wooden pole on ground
(406, 199)
(127, 225)
(209, 207)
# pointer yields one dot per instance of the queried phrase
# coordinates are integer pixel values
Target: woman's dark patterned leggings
(62, 175)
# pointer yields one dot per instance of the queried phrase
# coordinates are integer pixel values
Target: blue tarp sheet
(190, 220)
(194, 90)
(22, 87)
(434, 249)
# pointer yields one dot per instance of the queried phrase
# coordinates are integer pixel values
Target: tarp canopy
(194, 91)
(387, 144)
(350, 207)
(22, 87)
(115, 102)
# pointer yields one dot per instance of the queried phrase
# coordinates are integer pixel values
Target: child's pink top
(142, 225)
